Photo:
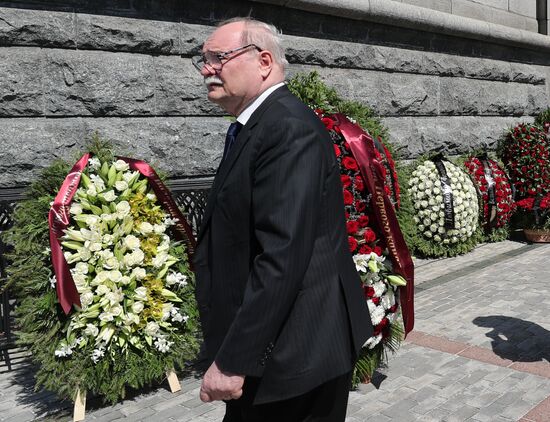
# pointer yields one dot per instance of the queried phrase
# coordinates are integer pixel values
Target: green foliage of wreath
(40, 320)
(543, 117)
(314, 92)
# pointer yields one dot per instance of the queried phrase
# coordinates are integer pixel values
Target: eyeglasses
(214, 60)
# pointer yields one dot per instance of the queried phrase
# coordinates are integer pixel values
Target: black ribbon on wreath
(447, 191)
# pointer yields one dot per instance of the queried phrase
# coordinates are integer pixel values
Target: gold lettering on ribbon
(385, 223)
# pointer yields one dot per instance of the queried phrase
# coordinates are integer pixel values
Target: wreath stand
(80, 400)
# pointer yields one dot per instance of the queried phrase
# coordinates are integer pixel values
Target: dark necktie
(232, 133)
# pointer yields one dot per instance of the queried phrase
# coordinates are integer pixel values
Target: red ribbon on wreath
(362, 148)
(59, 220)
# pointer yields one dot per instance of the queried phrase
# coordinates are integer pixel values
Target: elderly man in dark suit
(282, 310)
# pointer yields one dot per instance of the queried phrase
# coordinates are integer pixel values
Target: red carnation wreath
(368, 248)
(526, 155)
(496, 191)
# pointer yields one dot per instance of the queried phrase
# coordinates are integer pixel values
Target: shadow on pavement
(49, 407)
(516, 339)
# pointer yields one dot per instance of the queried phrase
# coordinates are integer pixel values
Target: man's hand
(218, 385)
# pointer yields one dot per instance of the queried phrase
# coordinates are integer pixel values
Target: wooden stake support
(173, 381)
(79, 406)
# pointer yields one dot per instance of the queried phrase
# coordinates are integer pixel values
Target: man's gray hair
(263, 35)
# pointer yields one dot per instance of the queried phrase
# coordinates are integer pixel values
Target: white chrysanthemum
(53, 281)
(377, 313)
(465, 204)
(388, 300)
(81, 268)
(151, 196)
(111, 263)
(81, 282)
(379, 288)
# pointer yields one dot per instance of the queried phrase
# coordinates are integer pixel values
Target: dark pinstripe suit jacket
(277, 289)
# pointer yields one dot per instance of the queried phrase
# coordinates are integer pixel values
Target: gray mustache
(212, 80)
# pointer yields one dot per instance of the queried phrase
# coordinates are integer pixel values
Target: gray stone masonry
(495, 298)
(66, 74)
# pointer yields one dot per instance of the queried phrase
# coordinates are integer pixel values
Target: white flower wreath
(428, 199)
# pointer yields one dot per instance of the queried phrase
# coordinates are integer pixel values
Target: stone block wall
(521, 14)
(69, 69)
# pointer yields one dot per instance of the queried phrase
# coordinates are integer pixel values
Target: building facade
(445, 75)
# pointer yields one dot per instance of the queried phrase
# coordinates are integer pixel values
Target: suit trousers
(325, 403)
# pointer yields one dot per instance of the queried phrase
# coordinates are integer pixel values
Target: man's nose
(207, 70)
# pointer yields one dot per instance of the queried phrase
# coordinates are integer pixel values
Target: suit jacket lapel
(226, 166)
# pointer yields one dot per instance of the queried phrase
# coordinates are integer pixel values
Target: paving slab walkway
(480, 352)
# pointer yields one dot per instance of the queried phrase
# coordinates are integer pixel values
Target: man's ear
(266, 63)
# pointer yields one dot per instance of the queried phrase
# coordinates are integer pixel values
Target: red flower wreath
(502, 201)
(363, 236)
(526, 154)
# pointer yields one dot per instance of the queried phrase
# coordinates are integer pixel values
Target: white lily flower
(121, 185)
(137, 307)
(145, 228)
(121, 165)
(152, 329)
(123, 209)
(141, 293)
(131, 242)
(98, 354)
(139, 273)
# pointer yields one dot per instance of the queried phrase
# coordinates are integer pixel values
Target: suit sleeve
(289, 174)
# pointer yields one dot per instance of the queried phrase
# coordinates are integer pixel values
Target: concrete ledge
(413, 17)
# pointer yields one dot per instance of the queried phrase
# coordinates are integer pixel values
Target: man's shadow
(516, 339)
